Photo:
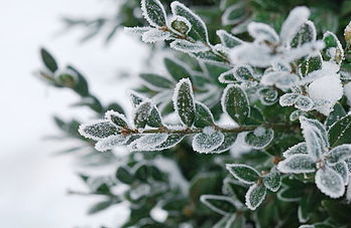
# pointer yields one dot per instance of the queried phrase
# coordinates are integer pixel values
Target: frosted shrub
(259, 132)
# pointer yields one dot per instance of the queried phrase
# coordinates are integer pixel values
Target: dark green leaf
(48, 60)
(235, 103)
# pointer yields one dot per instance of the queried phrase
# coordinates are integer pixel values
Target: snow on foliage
(208, 140)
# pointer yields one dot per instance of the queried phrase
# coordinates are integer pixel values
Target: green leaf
(220, 204)
(310, 64)
(81, 87)
(208, 140)
(117, 118)
(255, 196)
(243, 173)
(235, 103)
(124, 175)
(203, 116)
(142, 172)
(198, 27)
(305, 34)
(49, 61)
(180, 24)
(98, 207)
(154, 12)
(98, 130)
(272, 180)
(184, 103)
(229, 140)
(156, 81)
(333, 49)
(259, 138)
(298, 163)
(337, 113)
(154, 119)
(234, 14)
(176, 69)
(339, 153)
(340, 132)
(228, 40)
(141, 114)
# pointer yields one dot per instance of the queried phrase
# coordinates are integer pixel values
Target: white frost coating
(339, 153)
(288, 99)
(281, 79)
(177, 7)
(137, 30)
(327, 90)
(253, 54)
(189, 47)
(300, 148)
(310, 48)
(208, 140)
(342, 169)
(228, 40)
(330, 182)
(298, 163)
(347, 92)
(136, 98)
(110, 142)
(110, 113)
(96, 129)
(148, 142)
(262, 32)
(291, 25)
(237, 173)
(205, 199)
(304, 103)
(181, 19)
(255, 196)
(155, 35)
(150, 20)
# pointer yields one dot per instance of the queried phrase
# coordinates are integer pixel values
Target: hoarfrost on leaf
(137, 30)
(171, 141)
(255, 196)
(148, 142)
(306, 33)
(184, 103)
(300, 148)
(243, 173)
(208, 140)
(259, 138)
(189, 47)
(304, 103)
(235, 103)
(97, 130)
(297, 163)
(155, 35)
(228, 40)
(116, 118)
(339, 153)
(330, 182)
(263, 33)
(221, 204)
(141, 114)
(154, 12)
(229, 140)
(180, 24)
(272, 180)
(288, 99)
(342, 169)
(110, 142)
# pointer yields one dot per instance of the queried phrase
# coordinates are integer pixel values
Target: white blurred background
(34, 182)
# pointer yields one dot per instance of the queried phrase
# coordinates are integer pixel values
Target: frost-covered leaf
(263, 33)
(259, 138)
(229, 140)
(98, 130)
(198, 27)
(288, 99)
(148, 142)
(176, 69)
(171, 141)
(306, 33)
(228, 40)
(310, 64)
(137, 30)
(154, 12)
(297, 17)
(110, 142)
(243, 73)
(184, 103)
(234, 14)
(339, 153)
(208, 140)
(272, 180)
(155, 35)
(315, 136)
(180, 24)
(189, 47)
(340, 132)
(154, 119)
(141, 114)
(337, 113)
(220, 204)
(300, 148)
(255, 196)
(342, 169)
(136, 98)
(235, 103)
(281, 79)
(330, 182)
(117, 118)
(227, 77)
(290, 194)
(203, 116)
(304, 103)
(295, 115)
(298, 163)
(243, 173)
(333, 49)
(252, 54)
(156, 81)
(267, 95)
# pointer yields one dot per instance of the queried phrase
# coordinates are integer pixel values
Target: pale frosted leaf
(229, 140)
(110, 142)
(228, 40)
(252, 54)
(198, 27)
(184, 103)
(137, 30)
(297, 17)
(243, 73)
(272, 180)
(221, 204)
(116, 118)
(171, 141)
(155, 119)
(263, 33)
(281, 79)
(330, 182)
(189, 47)
(333, 49)
(295, 115)
(155, 35)
(154, 12)
(141, 114)
(306, 33)
(208, 140)
(148, 142)
(300, 148)
(342, 169)
(235, 103)
(288, 99)
(203, 116)
(97, 130)
(255, 196)
(339, 153)
(136, 98)
(259, 138)
(298, 163)
(180, 24)
(304, 103)
(243, 173)
(268, 95)
(227, 77)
